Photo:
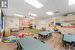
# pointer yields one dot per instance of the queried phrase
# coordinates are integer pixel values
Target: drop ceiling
(21, 7)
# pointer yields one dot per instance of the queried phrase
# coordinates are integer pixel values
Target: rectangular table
(30, 43)
(44, 35)
(45, 32)
(69, 38)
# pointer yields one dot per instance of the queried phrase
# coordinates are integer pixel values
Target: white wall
(12, 22)
(41, 23)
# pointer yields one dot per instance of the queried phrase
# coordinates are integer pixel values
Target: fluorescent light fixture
(34, 3)
(49, 13)
(18, 15)
(32, 14)
(71, 2)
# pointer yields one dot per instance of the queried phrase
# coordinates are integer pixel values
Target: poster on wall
(25, 22)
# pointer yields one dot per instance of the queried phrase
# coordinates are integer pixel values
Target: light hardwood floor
(8, 46)
(56, 42)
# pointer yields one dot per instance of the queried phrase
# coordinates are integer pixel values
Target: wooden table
(30, 43)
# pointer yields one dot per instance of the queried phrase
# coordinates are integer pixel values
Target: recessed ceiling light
(18, 15)
(32, 14)
(49, 13)
(71, 2)
(34, 3)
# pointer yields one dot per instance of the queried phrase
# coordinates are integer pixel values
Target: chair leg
(69, 47)
(73, 45)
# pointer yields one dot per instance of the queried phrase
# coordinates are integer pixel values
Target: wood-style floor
(55, 42)
(8, 46)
